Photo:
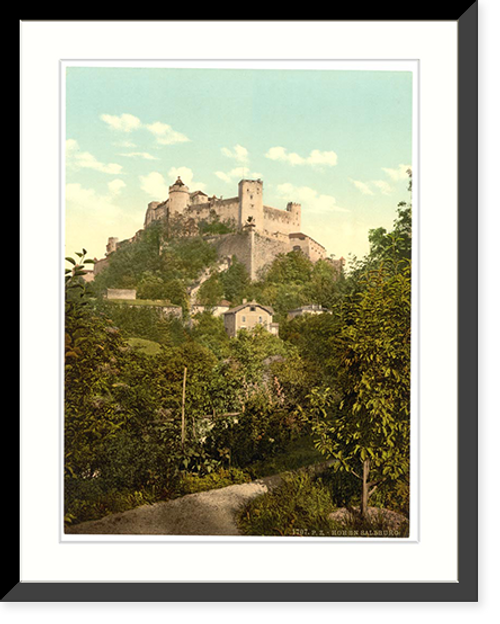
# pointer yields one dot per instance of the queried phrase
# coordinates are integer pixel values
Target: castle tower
(151, 212)
(251, 203)
(178, 197)
(112, 245)
(296, 212)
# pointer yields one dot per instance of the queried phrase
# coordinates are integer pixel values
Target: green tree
(368, 430)
(392, 248)
(327, 284)
(93, 349)
(293, 267)
(235, 281)
(211, 291)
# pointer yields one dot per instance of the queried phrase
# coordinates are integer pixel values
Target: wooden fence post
(183, 405)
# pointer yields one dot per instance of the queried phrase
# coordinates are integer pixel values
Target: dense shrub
(224, 477)
(299, 506)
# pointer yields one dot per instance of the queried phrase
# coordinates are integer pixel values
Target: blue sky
(337, 141)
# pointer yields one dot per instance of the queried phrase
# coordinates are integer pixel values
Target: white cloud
(280, 153)
(98, 209)
(239, 153)
(311, 200)
(125, 143)
(400, 173)
(165, 134)
(116, 186)
(187, 176)
(315, 158)
(384, 186)
(362, 186)
(154, 185)
(236, 174)
(122, 123)
(85, 160)
(367, 188)
(144, 155)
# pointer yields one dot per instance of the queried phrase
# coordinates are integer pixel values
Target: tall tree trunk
(366, 489)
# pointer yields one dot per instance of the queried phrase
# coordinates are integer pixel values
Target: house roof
(302, 236)
(249, 304)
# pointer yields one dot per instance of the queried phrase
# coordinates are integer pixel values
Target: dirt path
(205, 513)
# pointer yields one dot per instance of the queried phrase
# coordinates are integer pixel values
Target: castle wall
(284, 221)
(100, 265)
(266, 248)
(228, 209)
(313, 250)
(256, 251)
(238, 245)
(316, 251)
(198, 211)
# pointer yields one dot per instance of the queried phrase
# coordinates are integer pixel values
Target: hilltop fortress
(258, 233)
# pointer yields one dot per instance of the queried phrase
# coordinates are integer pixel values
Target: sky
(338, 142)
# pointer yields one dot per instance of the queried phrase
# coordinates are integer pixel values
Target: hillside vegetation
(156, 407)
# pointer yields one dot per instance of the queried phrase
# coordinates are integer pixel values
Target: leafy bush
(224, 477)
(343, 487)
(91, 499)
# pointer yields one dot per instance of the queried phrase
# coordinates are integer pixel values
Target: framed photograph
(247, 355)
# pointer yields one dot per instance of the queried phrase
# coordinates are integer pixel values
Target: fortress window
(244, 319)
(252, 309)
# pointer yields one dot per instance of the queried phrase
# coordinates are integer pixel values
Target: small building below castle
(122, 294)
(312, 309)
(215, 310)
(249, 315)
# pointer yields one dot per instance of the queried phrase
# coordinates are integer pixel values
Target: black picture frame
(466, 589)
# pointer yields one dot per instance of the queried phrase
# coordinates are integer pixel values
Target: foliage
(209, 331)
(299, 506)
(157, 266)
(298, 452)
(213, 225)
(92, 499)
(343, 487)
(290, 268)
(292, 280)
(147, 322)
(143, 345)
(393, 249)
(92, 355)
(302, 505)
(211, 291)
(235, 282)
(367, 431)
(224, 477)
